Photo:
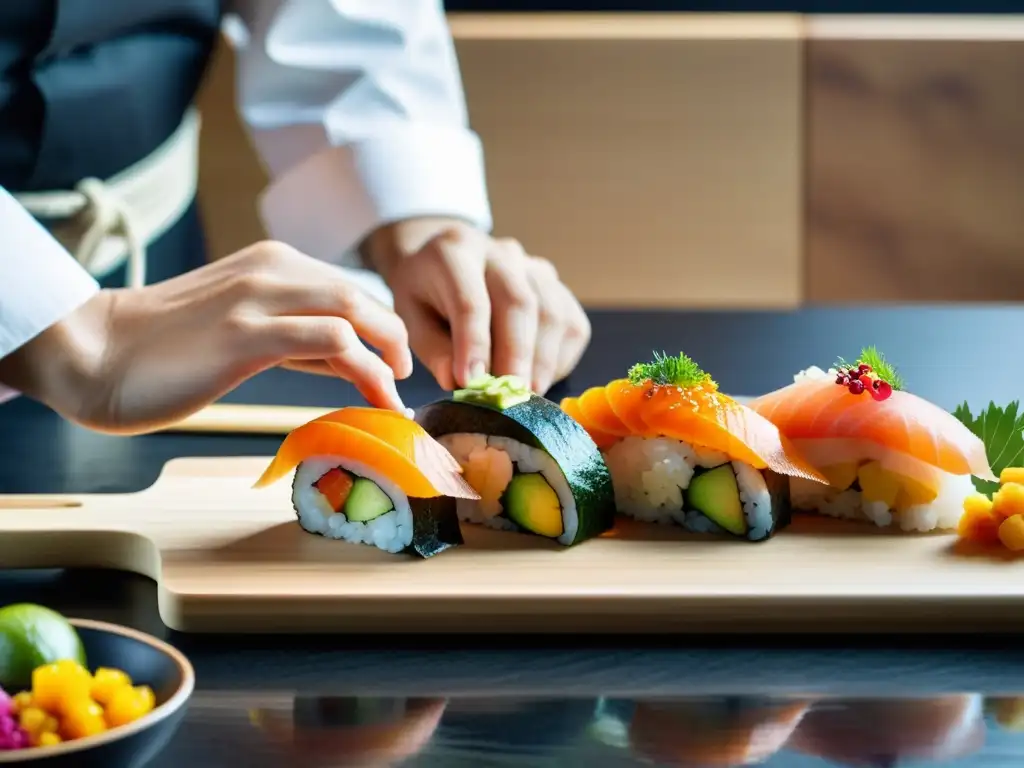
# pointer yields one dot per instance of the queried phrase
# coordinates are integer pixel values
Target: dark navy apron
(90, 87)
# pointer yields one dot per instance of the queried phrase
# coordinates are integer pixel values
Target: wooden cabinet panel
(654, 159)
(915, 135)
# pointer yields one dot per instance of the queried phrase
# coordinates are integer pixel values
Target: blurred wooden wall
(730, 160)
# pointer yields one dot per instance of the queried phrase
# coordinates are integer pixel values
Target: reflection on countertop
(276, 729)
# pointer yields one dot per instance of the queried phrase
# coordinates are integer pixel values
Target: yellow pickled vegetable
(878, 484)
(1009, 500)
(106, 682)
(130, 704)
(978, 522)
(1011, 533)
(20, 702)
(58, 686)
(1012, 475)
(49, 740)
(83, 718)
(32, 719)
(914, 493)
(841, 476)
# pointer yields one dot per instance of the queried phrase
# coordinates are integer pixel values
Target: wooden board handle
(227, 418)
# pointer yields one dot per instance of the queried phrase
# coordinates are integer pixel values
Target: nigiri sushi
(375, 477)
(681, 451)
(535, 469)
(890, 457)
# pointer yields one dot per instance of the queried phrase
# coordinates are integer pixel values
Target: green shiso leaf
(1002, 432)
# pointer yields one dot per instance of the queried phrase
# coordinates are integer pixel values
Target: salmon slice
(388, 443)
(571, 406)
(598, 412)
(396, 430)
(626, 401)
(905, 423)
(703, 416)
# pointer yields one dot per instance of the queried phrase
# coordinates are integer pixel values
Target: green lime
(31, 636)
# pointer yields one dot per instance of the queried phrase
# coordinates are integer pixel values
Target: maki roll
(681, 452)
(890, 457)
(369, 476)
(535, 469)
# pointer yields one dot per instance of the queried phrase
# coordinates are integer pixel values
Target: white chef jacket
(356, 108)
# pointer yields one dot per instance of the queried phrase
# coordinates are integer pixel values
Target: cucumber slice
(366, 502)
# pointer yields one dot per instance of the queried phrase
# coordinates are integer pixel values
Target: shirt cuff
(328, 203)
(40, 282)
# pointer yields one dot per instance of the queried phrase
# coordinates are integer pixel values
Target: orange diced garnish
(1011, 533)
(335, 485)
(1008, 501)
(979, 523)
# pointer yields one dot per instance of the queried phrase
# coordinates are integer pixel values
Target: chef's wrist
(61, 366)
(390, 243)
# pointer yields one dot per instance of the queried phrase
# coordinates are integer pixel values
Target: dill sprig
(881, 367)
(680, 371)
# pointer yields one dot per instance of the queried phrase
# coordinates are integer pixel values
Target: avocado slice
(715, 493)
(366, 502)
(530, 502)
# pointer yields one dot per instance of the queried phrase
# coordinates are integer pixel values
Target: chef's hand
(475, 304)
(135, 360)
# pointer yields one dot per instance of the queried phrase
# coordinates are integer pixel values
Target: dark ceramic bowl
(148, 662)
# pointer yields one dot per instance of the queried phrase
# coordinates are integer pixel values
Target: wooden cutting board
(229, 558)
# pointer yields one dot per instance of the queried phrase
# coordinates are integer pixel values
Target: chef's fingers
(319, 288)
(335, 341)
(514, 305)
(553, 317)
(464, 302)
(431, 341)
(577, 333)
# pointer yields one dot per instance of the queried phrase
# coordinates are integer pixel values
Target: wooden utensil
(229, 558)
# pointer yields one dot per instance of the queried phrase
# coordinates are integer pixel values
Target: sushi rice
(651, 475)
(391, 532)
(498, 459)
(943, 513)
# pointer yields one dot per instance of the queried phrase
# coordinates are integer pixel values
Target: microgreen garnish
(680, 371)
(1002, 432)
(871, 373)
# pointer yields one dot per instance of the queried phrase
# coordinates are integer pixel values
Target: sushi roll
(681, 452)
(535, 469)
(369, 476)
(890, 457)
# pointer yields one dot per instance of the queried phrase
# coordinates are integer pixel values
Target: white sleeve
(40, 282)
(356, 107)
